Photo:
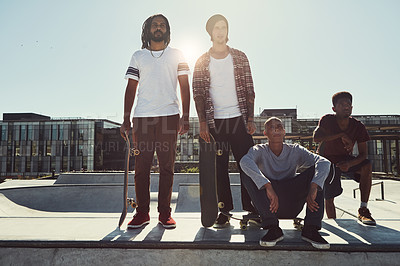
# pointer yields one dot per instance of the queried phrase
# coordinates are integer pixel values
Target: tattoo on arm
(200, 108)
(250, 107)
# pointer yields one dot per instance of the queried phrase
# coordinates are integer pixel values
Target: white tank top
(223, 89)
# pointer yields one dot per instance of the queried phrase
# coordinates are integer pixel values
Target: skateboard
(245, 220)
(298, 223)
(127, 200)
(249, 218)
(256, 219)
(208, 182)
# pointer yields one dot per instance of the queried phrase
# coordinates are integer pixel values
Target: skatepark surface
(73, 220)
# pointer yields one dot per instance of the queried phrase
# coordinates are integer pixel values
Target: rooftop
(81, 211)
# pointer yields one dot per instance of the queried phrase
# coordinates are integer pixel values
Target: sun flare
(191, 53)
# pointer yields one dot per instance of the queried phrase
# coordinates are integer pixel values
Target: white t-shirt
(223, 88)
(158, 78)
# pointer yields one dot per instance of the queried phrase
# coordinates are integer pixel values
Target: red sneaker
(139, 220)
(166, 220)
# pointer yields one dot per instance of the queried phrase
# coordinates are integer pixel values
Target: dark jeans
(231, 134)
(157, 134)
(292, 194)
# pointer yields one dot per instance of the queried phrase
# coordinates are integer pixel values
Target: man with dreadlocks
(224, 96)
(154, 72)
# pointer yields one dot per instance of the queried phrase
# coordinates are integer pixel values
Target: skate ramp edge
(118, 178)
(69, 198)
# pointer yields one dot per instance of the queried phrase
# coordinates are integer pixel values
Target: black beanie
(214, 19)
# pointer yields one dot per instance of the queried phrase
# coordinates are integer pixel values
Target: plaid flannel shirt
(243, 82)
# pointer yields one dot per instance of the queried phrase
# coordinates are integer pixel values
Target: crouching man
(278, 192)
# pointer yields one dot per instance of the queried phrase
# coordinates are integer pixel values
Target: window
(16, 132)
(28, 165)
(61, 132)
(54, 133)
(42, 148)
(17, 150)
(30, 132)
(48, 148)
(4, 133)
(34, 149)
(23, 132)
(47, 132)
(17, 164)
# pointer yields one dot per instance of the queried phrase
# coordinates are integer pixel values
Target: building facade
(35, 145)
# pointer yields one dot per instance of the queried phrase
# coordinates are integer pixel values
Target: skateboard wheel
(136, 152)
(298, 227)
(243, 226)
(297, 224)
(219, 152)
(132, 202)
(221, 205)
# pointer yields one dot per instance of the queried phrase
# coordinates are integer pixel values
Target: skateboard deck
(208, 182)
(126, 200)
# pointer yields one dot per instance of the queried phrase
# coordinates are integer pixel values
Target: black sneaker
(311, 234)
(273, 236)
(364, 216)
(222, 221)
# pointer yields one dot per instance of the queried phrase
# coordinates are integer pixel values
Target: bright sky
(69, 58)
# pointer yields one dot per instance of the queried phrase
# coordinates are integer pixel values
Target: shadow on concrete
(229, 235)
(355, 233)
(155, 235)
(123, 235)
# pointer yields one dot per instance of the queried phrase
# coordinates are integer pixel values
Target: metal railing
(382, 191)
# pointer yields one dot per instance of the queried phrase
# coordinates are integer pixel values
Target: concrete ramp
(189, 198)
(70, 198)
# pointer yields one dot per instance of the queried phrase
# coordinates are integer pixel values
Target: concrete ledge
(385, 248)
(34, 237)
(187, 254)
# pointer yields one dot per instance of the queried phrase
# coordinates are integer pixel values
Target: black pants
(231, 134)
(292, 194)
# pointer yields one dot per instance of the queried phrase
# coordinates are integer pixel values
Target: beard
(159, 38)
